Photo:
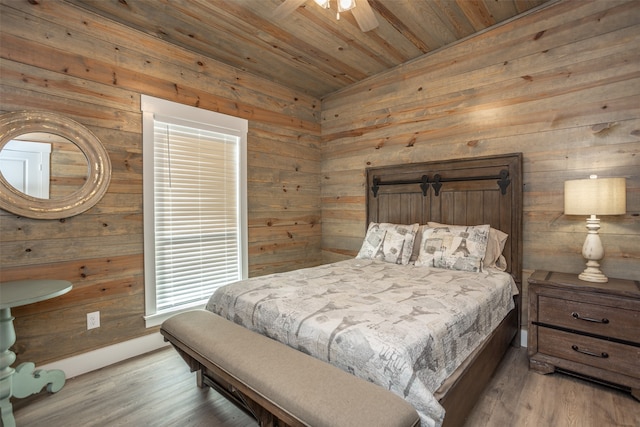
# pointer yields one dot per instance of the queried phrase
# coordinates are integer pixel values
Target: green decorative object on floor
(24, 380)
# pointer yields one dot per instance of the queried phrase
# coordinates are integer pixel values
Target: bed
(389, 315)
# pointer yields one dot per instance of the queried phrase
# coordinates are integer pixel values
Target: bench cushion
(311, 390)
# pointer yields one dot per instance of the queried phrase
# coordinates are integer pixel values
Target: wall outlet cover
(93, 320)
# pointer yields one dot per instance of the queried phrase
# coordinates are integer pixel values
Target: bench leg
(199, 379)
(264, 417)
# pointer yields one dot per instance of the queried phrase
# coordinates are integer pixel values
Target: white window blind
(197, 213)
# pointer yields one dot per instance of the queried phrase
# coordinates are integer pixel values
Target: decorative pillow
(454, 247)
(495, 245)
(393, 246)
(372, 243)
(397, 242)
(416, 243)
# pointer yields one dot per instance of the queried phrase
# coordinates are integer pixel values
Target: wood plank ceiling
(309, 50)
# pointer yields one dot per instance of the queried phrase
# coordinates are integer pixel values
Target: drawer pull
(602, 355)
(576, 315)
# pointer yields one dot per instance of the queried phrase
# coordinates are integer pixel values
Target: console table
(23, 380)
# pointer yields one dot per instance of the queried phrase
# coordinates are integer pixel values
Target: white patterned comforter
(403, 327)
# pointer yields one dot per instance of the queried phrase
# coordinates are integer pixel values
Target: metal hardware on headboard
(423, 181)
(503, 182)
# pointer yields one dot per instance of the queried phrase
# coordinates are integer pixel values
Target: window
(194, 205)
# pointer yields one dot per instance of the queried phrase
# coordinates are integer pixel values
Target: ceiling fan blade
(286, 8)
(364, 16)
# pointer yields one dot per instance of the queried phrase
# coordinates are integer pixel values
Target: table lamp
(605, 196)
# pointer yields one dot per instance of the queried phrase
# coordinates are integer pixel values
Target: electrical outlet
(93, 320)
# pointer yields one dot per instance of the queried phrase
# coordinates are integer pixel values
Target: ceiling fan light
(344, 5)
(322, 3)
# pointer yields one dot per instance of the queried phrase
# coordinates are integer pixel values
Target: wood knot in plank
(539, 35)
(601, 128)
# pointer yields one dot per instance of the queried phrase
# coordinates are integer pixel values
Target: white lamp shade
(599, 196)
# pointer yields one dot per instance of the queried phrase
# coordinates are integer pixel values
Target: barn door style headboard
(482, 190)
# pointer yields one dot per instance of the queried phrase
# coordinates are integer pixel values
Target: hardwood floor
(519, 397)
(157, 390)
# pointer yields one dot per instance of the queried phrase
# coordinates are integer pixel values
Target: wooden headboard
(482, 190)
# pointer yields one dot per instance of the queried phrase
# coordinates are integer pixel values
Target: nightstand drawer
(611, 356)
(590, 318)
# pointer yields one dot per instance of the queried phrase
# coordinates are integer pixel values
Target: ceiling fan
(361, 11)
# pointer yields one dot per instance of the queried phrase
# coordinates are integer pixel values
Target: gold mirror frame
(16, 123)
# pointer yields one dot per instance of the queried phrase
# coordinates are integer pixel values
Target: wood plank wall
(56, 57)
(561, 85)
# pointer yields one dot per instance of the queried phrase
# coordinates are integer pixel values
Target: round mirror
(50, 166)
(43, 165)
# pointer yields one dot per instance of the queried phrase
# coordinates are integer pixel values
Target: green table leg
(7, 357)
(27, 380)
(23, 381)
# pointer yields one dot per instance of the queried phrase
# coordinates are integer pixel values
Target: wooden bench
(280, 386)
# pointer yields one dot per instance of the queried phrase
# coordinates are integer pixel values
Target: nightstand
(591, 330)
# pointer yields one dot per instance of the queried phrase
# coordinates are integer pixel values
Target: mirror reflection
(43, 165)
(79, 166)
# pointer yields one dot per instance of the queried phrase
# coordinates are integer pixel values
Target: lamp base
(593, 252)
(593, 275)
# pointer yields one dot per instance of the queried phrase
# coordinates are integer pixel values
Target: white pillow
(416, 243)
(371, 244)
(495, 245)
(454, 247)
(397, 242)
(393, 246)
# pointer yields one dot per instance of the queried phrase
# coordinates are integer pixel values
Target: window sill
(157, 319)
